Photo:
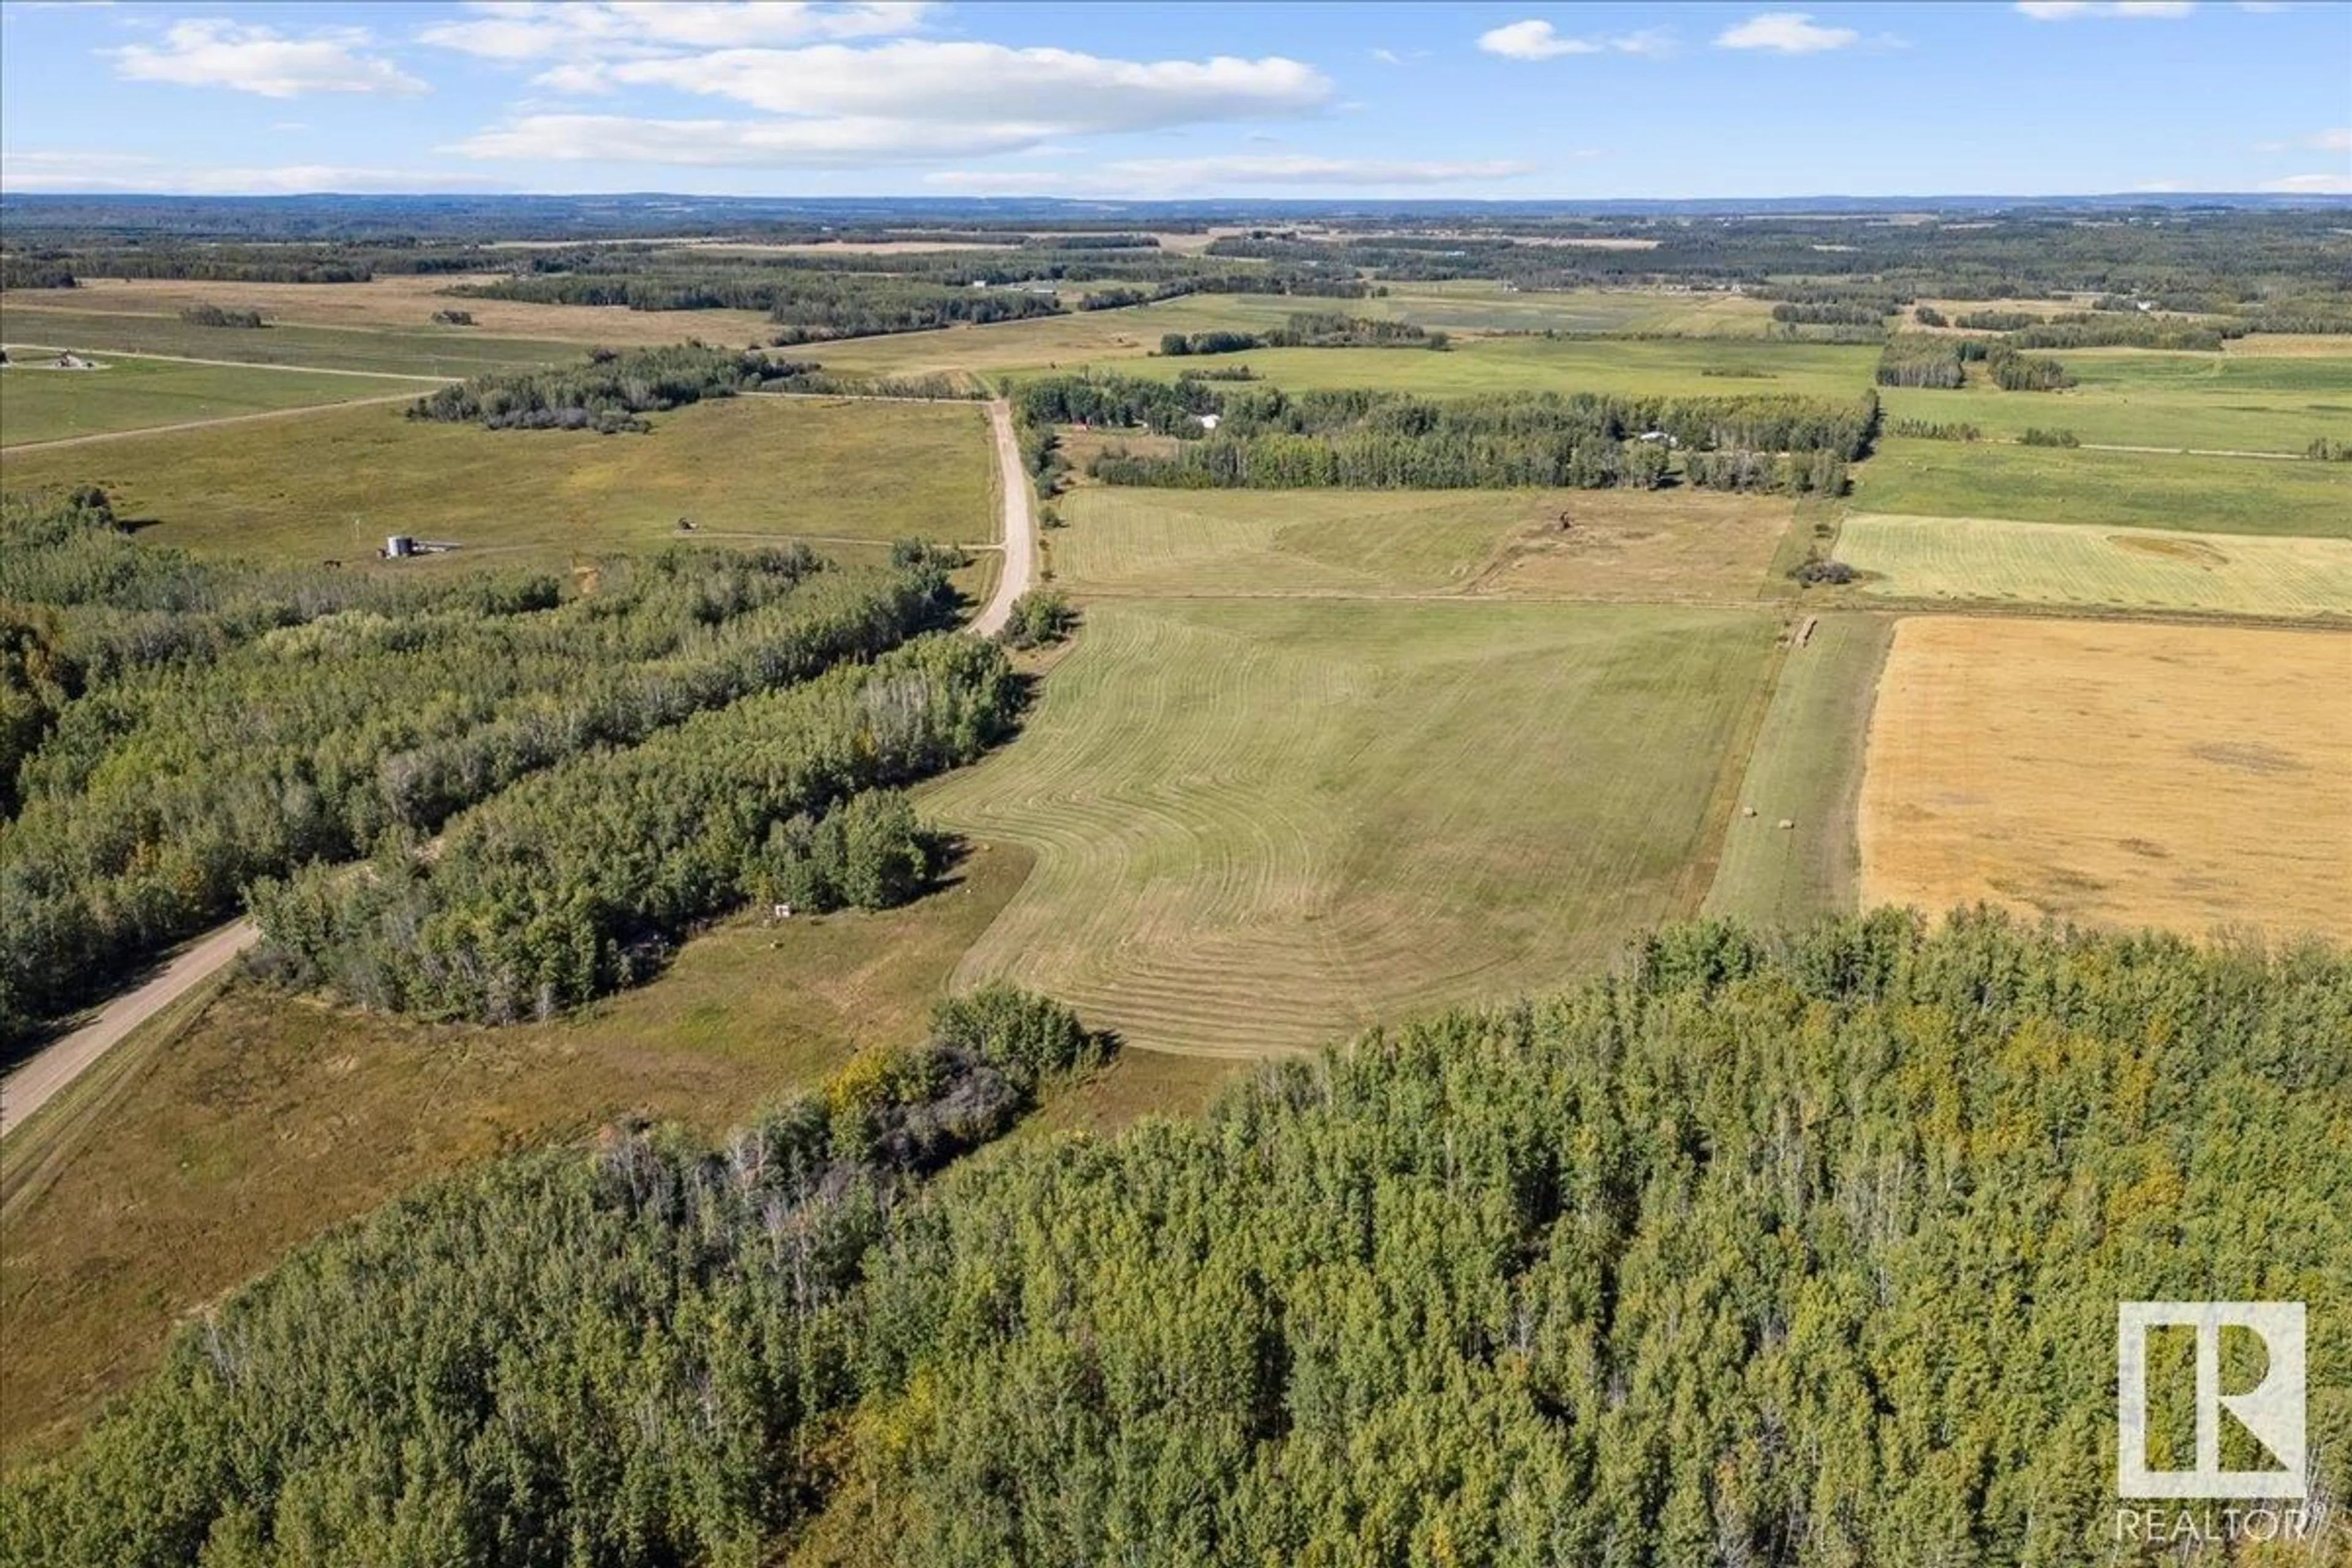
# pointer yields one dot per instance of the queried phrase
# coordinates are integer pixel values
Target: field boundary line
(246, 364)
(62, 441)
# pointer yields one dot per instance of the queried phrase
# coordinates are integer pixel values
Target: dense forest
(1781, 1253)
(1270, 439)
(606, 394)
(580, 880)
(289, 719)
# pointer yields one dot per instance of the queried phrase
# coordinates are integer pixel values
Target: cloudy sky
(1598, 100)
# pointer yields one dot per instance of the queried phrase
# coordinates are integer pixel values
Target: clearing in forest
(1615, 544)
(2184, 777)
(2098, 568)
(1805, 769)
(1260, 825)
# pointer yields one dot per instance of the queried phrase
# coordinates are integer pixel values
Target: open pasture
(422, 350)
(267, 1119)
(1485, 306)
(1677, 368)
(400, 302)
(1674, 544)
(2130, 490)
(331, 486)
(2183, 777)
(2137, 397)
(41, 404)
(1994, 559)
(1261, 825)
(1804, 769)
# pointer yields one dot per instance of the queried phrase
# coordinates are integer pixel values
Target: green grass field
(2131, 489)
(1125, 339)
(1261, 825)
(38, 405)
(1689, 367)
(1804, 768)
(1668, 545)
(2091, 568)
(332, 485)
(2134, 397)
(403, 351)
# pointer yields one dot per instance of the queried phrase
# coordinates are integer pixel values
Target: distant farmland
(2099, 568)
(753, 469)
(42, 404)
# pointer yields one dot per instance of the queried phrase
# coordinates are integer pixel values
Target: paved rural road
(1020, 526)
(33, 1085)
(15, 447)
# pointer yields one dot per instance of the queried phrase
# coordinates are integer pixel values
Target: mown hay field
(1665, 545)
(2185, 778)
(1805, 769)
(1994, 559)
(1260, 825)
(333, 484)
(2129, 490)
(43, 405)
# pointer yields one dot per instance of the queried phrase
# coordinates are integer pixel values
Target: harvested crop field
(1666, 545)
(1996, 559)
(1261, 825)
(2190, 778)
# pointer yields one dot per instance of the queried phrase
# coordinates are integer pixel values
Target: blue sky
(1511, 100)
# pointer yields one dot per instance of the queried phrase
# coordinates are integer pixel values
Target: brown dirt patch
(2183, 777)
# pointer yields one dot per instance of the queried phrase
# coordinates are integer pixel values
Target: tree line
(606, 394)
(1268, 438)
(1779, 1251)
(153, 801)
(580, 878)
(1309, 330)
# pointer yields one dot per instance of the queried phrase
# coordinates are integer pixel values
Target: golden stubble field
(2188, 778)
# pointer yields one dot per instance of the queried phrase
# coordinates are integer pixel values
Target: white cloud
(128, 171)
(248, 58)
(1161, 176)
(2313, 185)
(2337, 139)
(2067, 10)
(546, 29)
(1533, 40)
(835, 106)
(1786, 32)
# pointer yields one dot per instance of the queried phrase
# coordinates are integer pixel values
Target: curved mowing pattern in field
(1260, 825)
(2117, 568)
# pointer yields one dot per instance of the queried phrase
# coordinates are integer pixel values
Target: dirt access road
(1020, 526)
(32, 1086)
